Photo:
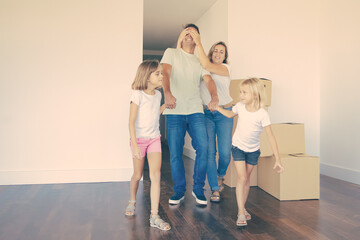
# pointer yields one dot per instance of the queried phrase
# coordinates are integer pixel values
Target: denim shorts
(249, 157)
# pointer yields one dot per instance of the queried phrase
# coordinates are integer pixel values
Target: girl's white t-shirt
(222, 84)
(249, 127)
(147, 121)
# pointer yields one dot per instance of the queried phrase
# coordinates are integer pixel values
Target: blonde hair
(212, 49)
(257, 91)
(145, 69)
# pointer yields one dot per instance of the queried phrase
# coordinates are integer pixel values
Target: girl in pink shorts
(144, 130)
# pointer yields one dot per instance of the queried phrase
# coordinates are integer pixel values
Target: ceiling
(164, 20)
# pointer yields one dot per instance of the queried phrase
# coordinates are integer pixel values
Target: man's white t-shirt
(185, 78)
(222, 85)
(249, 127)
(147, 121)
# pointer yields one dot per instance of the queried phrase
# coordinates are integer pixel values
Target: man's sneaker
(200, 198)
(176, 198)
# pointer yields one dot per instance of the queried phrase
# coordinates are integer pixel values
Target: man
(181, 84)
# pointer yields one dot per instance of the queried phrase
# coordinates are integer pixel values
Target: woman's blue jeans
(176, 126)
(220, 127)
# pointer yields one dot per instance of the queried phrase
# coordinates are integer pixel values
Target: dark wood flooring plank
(94, 211)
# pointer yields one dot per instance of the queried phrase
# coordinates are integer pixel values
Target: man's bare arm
(170, 100)
(210, 84)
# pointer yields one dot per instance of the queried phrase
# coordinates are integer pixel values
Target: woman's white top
(249, 127)
(222, 84)
(147, 121)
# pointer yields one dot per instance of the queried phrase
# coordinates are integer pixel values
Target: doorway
(163, 22)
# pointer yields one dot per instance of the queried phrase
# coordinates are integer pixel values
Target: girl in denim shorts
(252, 118)
(144, 130)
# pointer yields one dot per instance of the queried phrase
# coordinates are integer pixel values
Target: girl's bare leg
(154, 160)
(134, 182)
(249, 169)
(240, 167)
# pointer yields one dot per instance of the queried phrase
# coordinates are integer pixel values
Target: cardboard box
(235, 90)
(300, 180)
(290, 138)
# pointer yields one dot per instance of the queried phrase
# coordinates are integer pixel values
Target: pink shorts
(148, 145)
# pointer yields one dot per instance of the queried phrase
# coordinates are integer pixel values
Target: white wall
(300, 46)
(65, 75)
(279, 40)
(66, 70)
(340, 84)
(213, 27)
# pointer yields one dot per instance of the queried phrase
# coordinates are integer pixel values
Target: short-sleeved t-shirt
(222, 84)
(249, 127)
(185, 78)
(147, 121)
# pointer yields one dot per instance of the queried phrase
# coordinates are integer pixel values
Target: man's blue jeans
(220, 127)
(176, 126)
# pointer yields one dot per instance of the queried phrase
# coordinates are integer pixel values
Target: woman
(218, 126)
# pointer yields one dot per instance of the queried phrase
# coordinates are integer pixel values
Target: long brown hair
(145, 69)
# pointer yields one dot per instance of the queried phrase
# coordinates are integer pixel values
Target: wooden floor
(96, 211)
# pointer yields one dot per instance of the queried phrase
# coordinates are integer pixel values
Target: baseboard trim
(189, 152)
(349, 175)
(65, 176)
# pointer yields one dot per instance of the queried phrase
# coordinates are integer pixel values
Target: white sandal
(241, 220)
(130, 209)
(157, 222)
(247, 215)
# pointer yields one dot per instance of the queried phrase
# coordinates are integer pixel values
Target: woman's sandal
(241, 221)
(215, 197)
(130, 209)
(221, 185)
(247, 215)
(157, 222)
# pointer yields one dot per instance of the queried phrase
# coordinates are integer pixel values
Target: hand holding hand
(213, 104)
(170, 101)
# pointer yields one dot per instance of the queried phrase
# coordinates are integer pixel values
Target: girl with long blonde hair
(252, 119)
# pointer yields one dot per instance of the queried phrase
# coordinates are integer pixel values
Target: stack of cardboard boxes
(301, 178)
